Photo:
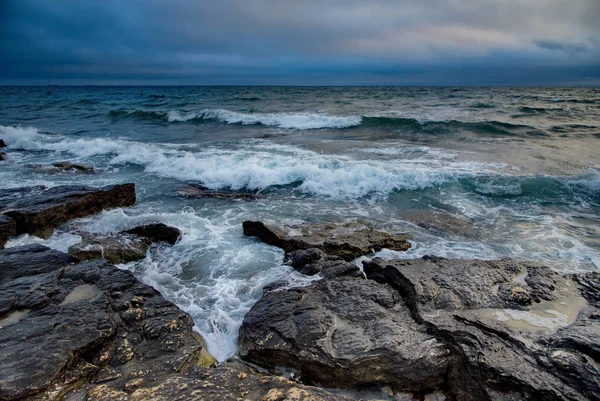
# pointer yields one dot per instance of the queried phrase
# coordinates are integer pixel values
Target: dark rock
(2, 143)
(3, 156)
(502, 347)
(479, 330)
(440, 222)
(116, 248)
(157, 232)
(61, 167)
(347, 240)
(199, 191)
(40, 212)
(8, 228)
(343, 331)
(96, 324)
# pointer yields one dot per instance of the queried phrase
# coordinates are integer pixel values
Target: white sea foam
(299, 121)
(259, 165)
(214, 273)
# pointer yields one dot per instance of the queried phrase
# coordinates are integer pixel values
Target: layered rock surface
(38, 211)
(90, 331)
(346, 240)
(477, 330)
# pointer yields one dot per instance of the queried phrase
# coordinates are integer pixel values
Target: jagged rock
(40, 212)
(157, 232)
(479, 330)
(343, 331)
(2, 143)
(8, 228)
(348, 240)
(61, 167)
(124, 247)
(516, 330)
(199, 191)
(116, 248)
(67, 328)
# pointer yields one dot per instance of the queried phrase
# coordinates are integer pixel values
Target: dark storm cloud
(300, 42)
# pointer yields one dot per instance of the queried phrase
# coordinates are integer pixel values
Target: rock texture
(8, 228)
(125, 247)
(61, 167)
(199, 191)
(38, 212)
(92, 332)
(477, 330)
(348, 241)
(65, 325)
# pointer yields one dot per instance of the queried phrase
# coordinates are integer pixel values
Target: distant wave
(307, 121)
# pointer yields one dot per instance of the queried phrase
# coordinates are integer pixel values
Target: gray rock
(40, 212)
(157, 232)
(343, 331)
(68, 325)
(115, 248)
(346, 240)
(8, 228)
(199, 191)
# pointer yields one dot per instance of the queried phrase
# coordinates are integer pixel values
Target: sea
(469, 172)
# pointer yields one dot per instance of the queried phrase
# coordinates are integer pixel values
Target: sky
(302, 42)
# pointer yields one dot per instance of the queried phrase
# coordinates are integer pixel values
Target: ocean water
(469, 172)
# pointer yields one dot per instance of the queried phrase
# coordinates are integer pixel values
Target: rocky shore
(75, 327)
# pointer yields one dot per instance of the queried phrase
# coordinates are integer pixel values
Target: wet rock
(3, 156)
(502, 347)
(8, 228)
(157, 232)
(199, 191)
(343, 331)
(440, 222)
(2, 143)
(61, 167)
(346, 240)
(40, 212)
(66, 328)
(116, 248)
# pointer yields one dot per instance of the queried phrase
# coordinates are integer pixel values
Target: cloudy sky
(304, 42)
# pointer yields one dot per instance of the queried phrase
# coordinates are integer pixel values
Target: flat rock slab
(61, 167)
(346, 240)
(38, 212)
(64, 326)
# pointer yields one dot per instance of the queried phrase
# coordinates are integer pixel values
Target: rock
(67, 328)
(157, 232)
(3, 156)
(116, 248)
(343, 331)
(2, 143)
(61, 167)
(8, 228)
(199, 191)
(124, 247)
(440, 222)
(40, 212)
(348, 240)
(515, 330)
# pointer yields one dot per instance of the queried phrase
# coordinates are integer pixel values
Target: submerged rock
(346, 240)
(61, 167)
(41, 211)
(479, 330)
(199, 191)
(3, 156)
